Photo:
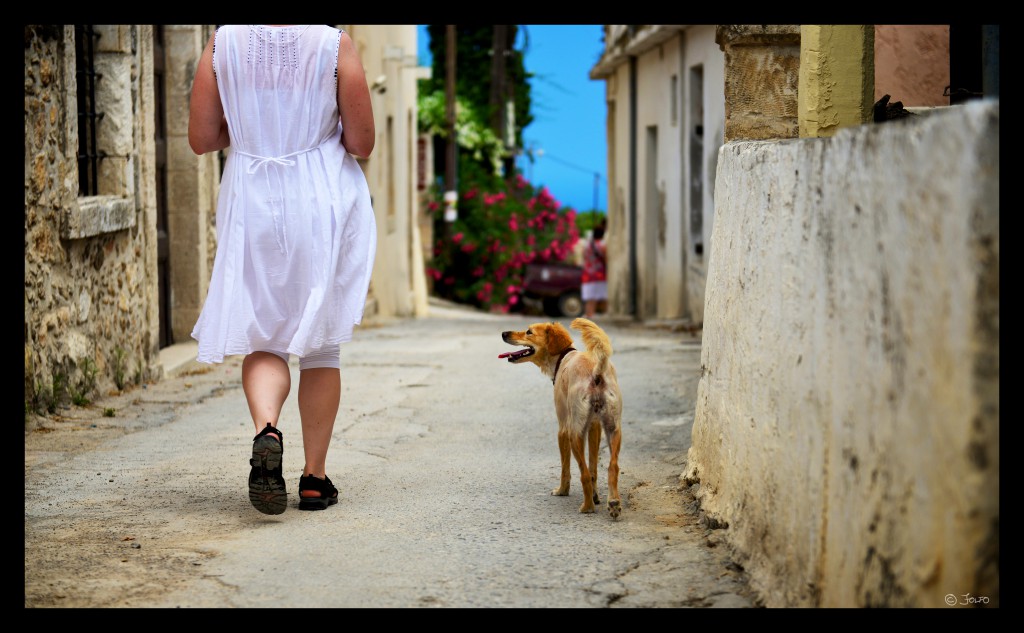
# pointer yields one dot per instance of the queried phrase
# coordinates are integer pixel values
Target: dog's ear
(558, 338)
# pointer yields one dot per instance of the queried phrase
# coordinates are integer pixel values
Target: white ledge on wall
(95, 215)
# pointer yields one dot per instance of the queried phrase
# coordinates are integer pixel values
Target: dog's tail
(598, 344)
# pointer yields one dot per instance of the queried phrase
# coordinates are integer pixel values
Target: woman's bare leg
(319, 399)
(266, 381)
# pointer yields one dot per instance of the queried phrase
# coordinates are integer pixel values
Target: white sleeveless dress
(296, 235)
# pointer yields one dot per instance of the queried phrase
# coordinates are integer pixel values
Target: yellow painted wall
(836, 87)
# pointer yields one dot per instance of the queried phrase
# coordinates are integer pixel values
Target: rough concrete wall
(659, 170)
(700, 48)
(912, 63)
(86, 298)
(389, 51)
(847, 424)
(618, 234)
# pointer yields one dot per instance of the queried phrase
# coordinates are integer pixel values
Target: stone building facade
(90, 260)
(664, 127)
(119, 245)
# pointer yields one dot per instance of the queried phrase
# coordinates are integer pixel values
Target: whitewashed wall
(847, 425)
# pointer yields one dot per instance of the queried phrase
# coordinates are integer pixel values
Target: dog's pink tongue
(504, 354)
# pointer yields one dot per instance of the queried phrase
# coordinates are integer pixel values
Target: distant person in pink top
(594, 290)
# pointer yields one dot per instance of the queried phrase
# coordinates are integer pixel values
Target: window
(88, 153)
(105, 202)
(696, 142)
(674, 100)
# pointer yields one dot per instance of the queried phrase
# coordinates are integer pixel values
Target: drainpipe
(634, 308)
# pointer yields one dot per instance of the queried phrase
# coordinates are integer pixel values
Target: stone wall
(847, 423)
(89, 286)
(763, 62)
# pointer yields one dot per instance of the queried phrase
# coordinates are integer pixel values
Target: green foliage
(480, 258)
(119, 367)
(473, 71)
(587, 220)
(47, 398)
(108, 412)
(86, 384)
(504, 222)
(60, 391)
(40, 398)
(471, 134)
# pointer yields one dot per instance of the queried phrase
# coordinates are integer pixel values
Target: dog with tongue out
(587, 400)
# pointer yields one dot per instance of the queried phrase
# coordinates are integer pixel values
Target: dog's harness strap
(559, 363)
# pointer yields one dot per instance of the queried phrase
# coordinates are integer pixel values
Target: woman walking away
(296, 236)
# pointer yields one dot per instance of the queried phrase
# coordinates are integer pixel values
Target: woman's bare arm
(358, 132)
(207, 127)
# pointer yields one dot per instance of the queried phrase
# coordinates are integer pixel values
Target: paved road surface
(445, 457)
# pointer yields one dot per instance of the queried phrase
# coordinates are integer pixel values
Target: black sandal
(266, 484)
(328, 493)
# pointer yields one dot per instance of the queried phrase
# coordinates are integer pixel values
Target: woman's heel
(267, 491)
(328, 493)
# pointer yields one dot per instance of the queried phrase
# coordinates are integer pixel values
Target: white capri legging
(594, 291)
(316, 360)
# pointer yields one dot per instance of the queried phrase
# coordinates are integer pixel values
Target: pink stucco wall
(912, 63)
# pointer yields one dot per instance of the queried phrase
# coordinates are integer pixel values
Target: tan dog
(587, 400)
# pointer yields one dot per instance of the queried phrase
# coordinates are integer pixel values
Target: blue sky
(568, 112)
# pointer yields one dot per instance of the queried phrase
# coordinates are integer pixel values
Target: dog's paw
(587, 508)
(560, 492)
(597, 499)
(614, 507)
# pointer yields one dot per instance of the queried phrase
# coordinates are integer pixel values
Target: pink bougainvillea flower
(457, 238)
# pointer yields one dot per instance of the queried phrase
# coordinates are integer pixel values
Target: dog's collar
(558, 364)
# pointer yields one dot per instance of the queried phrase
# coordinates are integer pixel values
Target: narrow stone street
(444, 455)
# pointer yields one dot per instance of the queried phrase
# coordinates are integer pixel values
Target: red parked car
(555, 288)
